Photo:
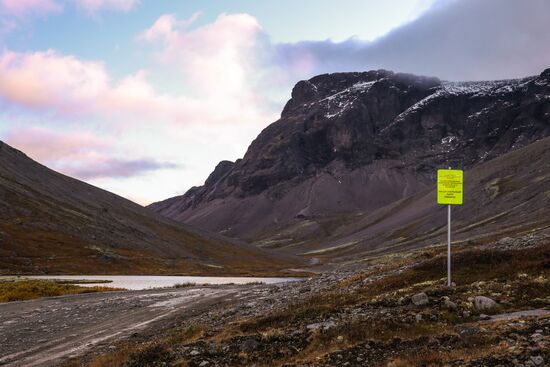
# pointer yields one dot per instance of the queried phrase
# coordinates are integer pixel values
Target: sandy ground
(45, 332)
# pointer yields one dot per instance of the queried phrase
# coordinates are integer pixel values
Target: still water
(137, 282)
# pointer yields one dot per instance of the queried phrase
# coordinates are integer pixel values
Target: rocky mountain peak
(330, 86)
(353, 142)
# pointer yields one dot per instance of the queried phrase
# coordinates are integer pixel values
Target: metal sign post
(450, 189)
(449, 246)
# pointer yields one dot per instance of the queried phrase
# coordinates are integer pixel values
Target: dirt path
(46, 331)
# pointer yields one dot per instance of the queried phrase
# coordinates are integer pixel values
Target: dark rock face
(354, 142)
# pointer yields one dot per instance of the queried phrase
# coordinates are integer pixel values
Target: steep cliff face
(353, 142)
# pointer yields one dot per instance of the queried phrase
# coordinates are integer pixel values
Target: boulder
(450, 305)
(420, 299)
(482, 303)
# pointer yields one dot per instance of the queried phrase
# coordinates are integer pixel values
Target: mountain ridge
(354, 142)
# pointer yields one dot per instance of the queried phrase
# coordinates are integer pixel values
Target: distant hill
(51, 223)
(349, 145)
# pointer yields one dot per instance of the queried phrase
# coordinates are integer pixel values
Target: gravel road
(45, 332)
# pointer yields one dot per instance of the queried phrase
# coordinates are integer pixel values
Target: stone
(536, 337)
(418, 317)
(537, 360)
(249, 345)
(450, 305)
(204, 363)
(482, 303)
(420, 299)
(194, 352)
(325, 325)
(467, 332)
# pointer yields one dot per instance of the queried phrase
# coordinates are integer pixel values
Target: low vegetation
(371, 319)
(26, 289)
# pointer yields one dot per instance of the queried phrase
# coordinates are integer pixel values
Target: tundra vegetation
(370, 317)
(22, 289)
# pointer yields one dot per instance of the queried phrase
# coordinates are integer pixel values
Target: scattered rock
(466, 332)
(420, 299)
(482, 303)
(249, 345)
(536, 337)
(537, 360)
(450, 305)
(325, 325)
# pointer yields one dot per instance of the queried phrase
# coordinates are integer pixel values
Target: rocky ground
(396, 312)
(45, 332)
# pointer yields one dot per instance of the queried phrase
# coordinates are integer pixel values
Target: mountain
(54, 224)
(349, 144)
(505, 198)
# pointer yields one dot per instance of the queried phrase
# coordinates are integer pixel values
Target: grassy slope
(51, 223)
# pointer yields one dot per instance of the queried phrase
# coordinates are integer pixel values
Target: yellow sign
(450, 186)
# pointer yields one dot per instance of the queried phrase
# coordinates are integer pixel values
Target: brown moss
(31, 289)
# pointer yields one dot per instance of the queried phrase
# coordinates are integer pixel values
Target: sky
(143, 98)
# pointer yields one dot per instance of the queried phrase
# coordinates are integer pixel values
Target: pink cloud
(219, 58)
(65, 84)
(25, 7)
(46, 146)
(48, 80)
(79, 155)
(216, 65)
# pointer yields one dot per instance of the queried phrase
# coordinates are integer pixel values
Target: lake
(138, 282)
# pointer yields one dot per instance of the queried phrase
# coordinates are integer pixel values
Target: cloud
(14, 13)
(166, 26)
(22, 8)
(93, 6)
(80, 154)
(117, 168)
(49, 81)
(218, 59)
(219, 64)
(456, 40)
